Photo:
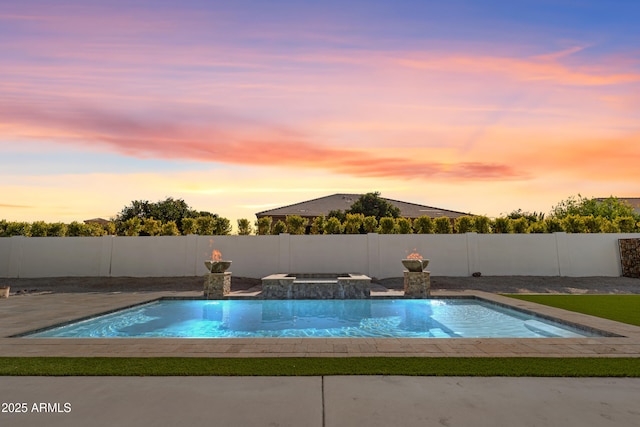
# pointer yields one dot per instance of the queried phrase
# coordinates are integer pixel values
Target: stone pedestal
(417, 284)
(217, 285)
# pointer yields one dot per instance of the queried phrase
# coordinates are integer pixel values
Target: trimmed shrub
(353, 222)
(520, 225)
(370, 224)
(626, 224)
(333, 226)
(17, 229)
(538, 227)
(296, 224)
(574, 224)
(189, 226)
(317, 225)
(482, 224)
(279, 227)
(39, 229)
(443, 225)
(553, 225)
(150, 227)
(264, 225)
(59, 229)
(423, 225)
(464, 224)
(244, 227)
(169, 228)
(387, 225)
(502, 226)
(205, 225)
(404, 225)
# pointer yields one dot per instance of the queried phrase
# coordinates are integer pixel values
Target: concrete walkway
(320, 401)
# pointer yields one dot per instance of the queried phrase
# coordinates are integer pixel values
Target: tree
(371, 204)
(610, 208)
(244, 227)
(370, 224)
(166, 210)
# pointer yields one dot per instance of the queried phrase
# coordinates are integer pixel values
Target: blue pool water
(426, 318)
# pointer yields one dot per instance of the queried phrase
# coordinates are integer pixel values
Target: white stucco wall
(258, 256)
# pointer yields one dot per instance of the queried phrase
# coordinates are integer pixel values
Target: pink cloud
(225, 140)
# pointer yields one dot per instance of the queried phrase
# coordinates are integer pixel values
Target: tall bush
(464, 224)
(317, 225)
(333, 225)
(482, 224)
(423, 225)
(296, 224)
(443, 225)
(244, 227)
(169, 228)
(353, 222)
(264, 225)
(520, 225)
(279, 227)
(404, 225)
(574, 224)
(370, 224)
(502, 225)
(387, 225)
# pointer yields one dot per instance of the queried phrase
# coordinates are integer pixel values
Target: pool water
(383, 318)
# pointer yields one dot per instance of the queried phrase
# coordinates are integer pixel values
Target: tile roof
(323, 205)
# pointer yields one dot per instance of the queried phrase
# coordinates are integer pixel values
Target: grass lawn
(621, 308)
(440, 366)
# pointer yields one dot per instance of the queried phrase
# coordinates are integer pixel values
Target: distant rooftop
(323, 205)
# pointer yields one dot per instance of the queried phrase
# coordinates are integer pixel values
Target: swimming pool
(373, 318)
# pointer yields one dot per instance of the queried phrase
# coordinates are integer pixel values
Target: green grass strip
(440, 366)
(621, 308)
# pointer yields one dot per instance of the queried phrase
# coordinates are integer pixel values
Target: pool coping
(28, 313)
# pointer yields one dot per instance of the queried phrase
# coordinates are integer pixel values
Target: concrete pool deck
(330, 401)
(29, 312)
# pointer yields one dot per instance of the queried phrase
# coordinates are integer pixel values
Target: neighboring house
(323, 205)
(634, 202)
(100, 221)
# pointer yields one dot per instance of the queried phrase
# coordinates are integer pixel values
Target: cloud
(221, 138)
(545, 68)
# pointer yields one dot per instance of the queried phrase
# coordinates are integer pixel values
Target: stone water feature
(316, 286)
(417, 281)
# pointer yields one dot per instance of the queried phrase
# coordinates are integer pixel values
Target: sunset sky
(241, 106)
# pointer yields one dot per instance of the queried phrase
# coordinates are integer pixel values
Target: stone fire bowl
(415, 265)
(217, 266)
